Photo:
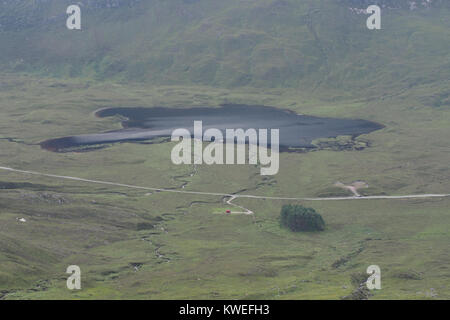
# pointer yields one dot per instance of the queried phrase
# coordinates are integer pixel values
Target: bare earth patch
(354, 187)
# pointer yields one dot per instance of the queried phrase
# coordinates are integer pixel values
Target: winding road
(232, 196)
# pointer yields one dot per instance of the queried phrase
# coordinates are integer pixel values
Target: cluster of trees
(298, 218)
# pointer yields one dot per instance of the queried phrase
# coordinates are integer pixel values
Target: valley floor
(133, 243)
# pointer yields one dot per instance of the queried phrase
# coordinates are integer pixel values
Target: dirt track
(233, 196)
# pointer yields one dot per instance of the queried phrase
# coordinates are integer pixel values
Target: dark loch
(145, 124)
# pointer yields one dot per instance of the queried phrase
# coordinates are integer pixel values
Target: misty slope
(268, 43)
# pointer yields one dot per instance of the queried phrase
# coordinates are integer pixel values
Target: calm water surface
(141, 124)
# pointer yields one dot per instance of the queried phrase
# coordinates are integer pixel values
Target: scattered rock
(431, 293)
(409, 275)
(45, 197)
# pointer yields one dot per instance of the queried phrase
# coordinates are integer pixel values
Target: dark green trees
(298, 218)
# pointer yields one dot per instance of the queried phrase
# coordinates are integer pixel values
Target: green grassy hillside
(313, 44)
(313, 57)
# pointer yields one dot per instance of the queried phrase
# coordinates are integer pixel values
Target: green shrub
(298, 218)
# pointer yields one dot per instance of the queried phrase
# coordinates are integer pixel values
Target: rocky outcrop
(395, 4)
